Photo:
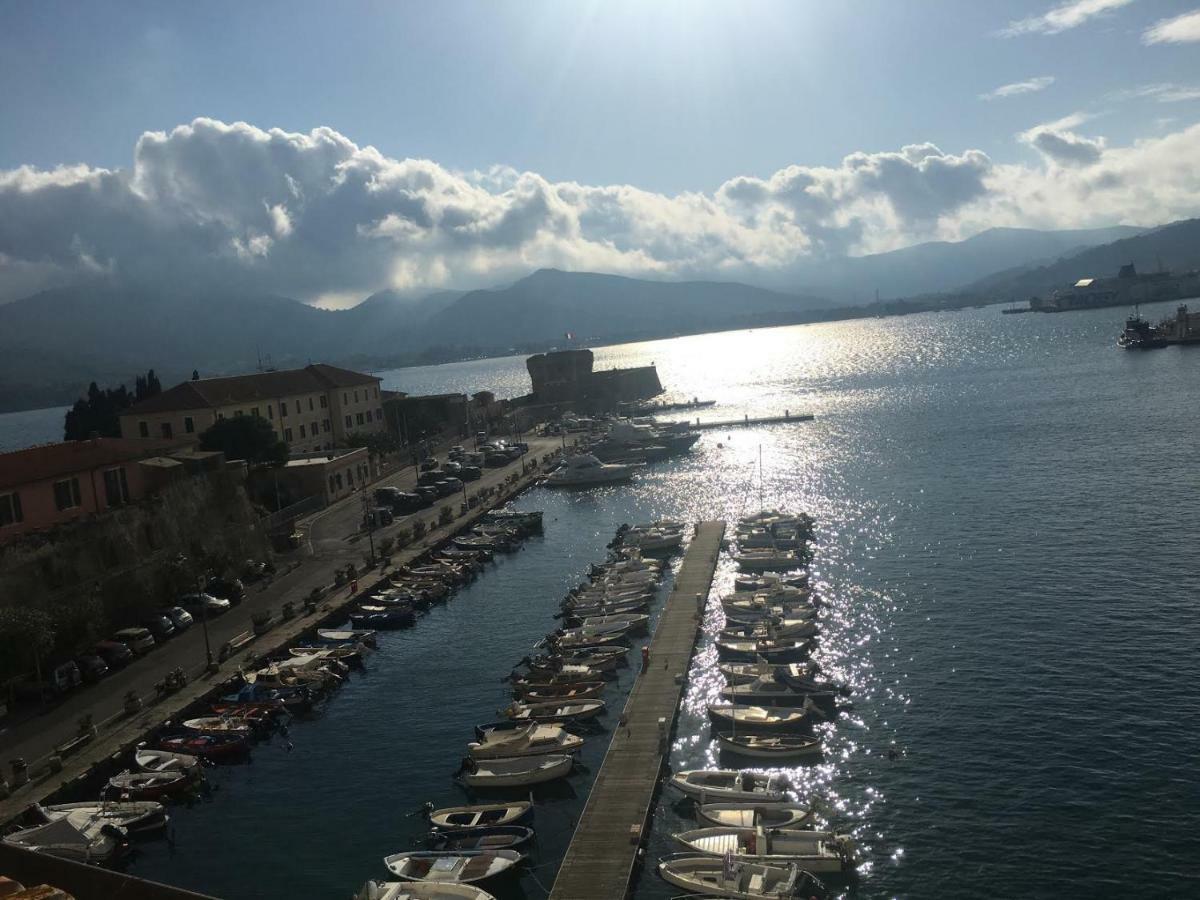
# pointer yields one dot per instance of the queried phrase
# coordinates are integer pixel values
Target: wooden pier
(745, 421)
(615, 822)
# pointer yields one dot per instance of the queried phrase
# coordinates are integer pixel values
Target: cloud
(1032, 86)
(1181, 29)
(1062, 18)
(315, 216)
(1162, 93)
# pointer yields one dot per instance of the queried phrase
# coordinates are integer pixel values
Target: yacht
(585, 470)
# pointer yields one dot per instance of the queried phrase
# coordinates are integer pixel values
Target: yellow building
(310, 409)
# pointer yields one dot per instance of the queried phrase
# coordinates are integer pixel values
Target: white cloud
(1031, 86)
(1162, 93)
(320, 218)
(1181, 29)
(1062, 18)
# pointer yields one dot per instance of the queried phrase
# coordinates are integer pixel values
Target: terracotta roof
(59, 460)
(210, 393)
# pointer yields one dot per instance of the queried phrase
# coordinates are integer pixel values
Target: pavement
(334, 537)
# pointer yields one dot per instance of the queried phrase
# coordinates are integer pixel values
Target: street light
(369, 516)
(201, 584)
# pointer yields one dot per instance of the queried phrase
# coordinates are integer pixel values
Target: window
(66, 494)
(310, 404)
(116, 488)
(359, 418)
(368, 415)
(339, 480)
(302, 434)
(324, 401)
(331, 485)
(283, 409)
(167, 431)
(10, 509)
(189, 426)
(144, 429)
(287, 435)
(270, 411)
(345, 398)
(356, 396)
(312, 429)
(379, 414)
(254, 411)
(220, 417)
(376, 393)
(325, 425)
(349, 422)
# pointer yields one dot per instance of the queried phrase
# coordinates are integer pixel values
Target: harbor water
(1006, 512)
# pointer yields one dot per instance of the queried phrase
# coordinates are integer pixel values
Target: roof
(263, 387)
(48, 461)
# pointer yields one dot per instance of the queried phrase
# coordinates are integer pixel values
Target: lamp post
(201, 584)
(367, 514)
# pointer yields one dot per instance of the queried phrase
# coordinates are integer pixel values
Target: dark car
(428, 493)
(378, 517)
(92, 667)
(160, 626)
(448, 486)
(452, 468)
(230, 589)
(431, 477)
(470, 473)
(428, 465)
(114, 653)
(405, 503)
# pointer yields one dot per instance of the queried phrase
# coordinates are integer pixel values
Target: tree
(26, 635)
(99, 413)
(378, 443)
(246, 437)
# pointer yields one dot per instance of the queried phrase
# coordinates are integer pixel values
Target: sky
(325, 151)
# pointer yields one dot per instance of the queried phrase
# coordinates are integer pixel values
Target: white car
(211, 605)
(179, 617)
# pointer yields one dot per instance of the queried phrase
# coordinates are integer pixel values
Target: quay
(614, 826)
(747, 420)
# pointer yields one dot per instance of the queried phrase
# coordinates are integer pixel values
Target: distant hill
(1175, 247)
(944, 266)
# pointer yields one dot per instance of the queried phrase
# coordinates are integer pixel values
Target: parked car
(180, 617)
(470, 473)
(386, 496)
(378, 517)
(452, 468)
(448, 486)
(473, 459)
(161, 627)
(213, 606)
(255, 570)
(428, 465)
(427, 493)
(433, 476)
(231, 589)
(481, 437)
(92, 667)
(139, 640)
(456, 451)
(522, 446)
(60, 680)
(114, 653)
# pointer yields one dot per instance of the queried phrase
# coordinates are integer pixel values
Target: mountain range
(55, 342)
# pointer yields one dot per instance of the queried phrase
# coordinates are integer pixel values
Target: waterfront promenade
(615, 822)
(341, 542)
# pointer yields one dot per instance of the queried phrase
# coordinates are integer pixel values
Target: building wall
(331, 479)
(176, 421)
(40, 509)
(353, 405)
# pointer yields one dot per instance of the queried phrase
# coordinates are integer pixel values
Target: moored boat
(742, 814)
(149, 760)
(66, 840)
(521, 771)
(147, 785)
(499, 837)
(715, 877)
(459, 818)
(135, 816)
(770, 746)
(762, 718)
(704, 785)
(419, 890)
(821, 852)
(454, 867)
(528, 740)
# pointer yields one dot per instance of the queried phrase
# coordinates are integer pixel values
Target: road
(335, 540)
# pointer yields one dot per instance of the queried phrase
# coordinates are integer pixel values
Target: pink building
(54, 483)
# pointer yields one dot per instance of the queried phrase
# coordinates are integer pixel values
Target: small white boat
(713, 876)
(652, 540)
(453, 867)
(64, 839)
(347, 635)
(420, 890)
(132, 815)
(147, 785)
(632, 622)
(218, 725)
(584, 470)
(770, 746)
(578, 711)
(770, 630)
(518, 771)
(761, 718)
(460, 818)
(704, 785)
(820, 852)
(751, 815)
(533, 740)
(768, 560)
(165, 761)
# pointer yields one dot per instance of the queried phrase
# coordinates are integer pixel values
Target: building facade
(56, 483)
(310, 409)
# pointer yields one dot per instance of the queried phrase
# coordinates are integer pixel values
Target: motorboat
(819, 852)
(500, 837)
(654, 540)
(66, 840)
(134, 815)
(772, 631)
(149, 760)
(781, 651)
(632, 623)
(770, 746)
(577, 711)
(454, 867)
(217, 725)
(207, 746)
(569, 641)
(585, 470)
(420, 890)
(762, 718)
(487, 815)
(714, 877)
(382, 618)
(357, 635)
(528, 740)
(575, 614)
(766, 560)
(751, 815)
(147, 785)
(764, 581)
(521, 771)
(703, 785)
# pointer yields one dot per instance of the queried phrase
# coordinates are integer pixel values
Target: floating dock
(614, 824)
(745, 421)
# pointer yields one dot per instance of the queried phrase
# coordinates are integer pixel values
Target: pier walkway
(750, 420)
(614, 824)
